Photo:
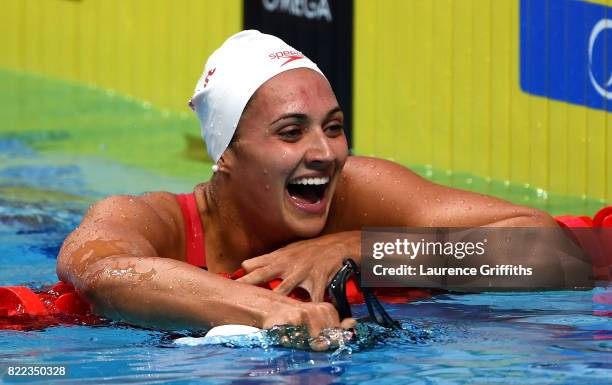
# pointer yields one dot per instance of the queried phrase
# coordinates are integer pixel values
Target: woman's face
(288, 154)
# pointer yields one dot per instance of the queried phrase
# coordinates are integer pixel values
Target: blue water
(511, 338)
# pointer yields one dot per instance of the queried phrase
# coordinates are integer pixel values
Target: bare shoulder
(144, 225)
(376, 168)
(165, 205)
(380, 193)
(153, 208)
(367, 184)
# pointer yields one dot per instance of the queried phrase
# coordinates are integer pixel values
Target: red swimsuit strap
(196, 255)
(194, 233)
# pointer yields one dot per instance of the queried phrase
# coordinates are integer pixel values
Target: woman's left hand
(310, 264)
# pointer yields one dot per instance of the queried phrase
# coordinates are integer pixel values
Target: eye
(334, 130)
(290, 133)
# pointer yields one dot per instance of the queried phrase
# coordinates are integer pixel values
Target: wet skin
(127, 256)
(285, 134)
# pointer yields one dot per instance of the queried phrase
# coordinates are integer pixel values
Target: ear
(225, 162)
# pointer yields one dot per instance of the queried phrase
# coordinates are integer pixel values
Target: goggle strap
(337, 289)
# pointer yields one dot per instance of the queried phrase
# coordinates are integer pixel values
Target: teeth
(312, 181)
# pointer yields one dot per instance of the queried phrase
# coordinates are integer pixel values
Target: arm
(378, 193)
(123, 259)
(396, 196)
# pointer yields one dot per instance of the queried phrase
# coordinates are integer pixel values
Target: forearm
(476, 259)
(170, 294)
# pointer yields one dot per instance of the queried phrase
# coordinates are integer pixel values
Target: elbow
(77, 273)
(102, 275)
(88, 284)
(539, 218)
(87, 272)
(66, 267)
(100, 282)
(527, 217)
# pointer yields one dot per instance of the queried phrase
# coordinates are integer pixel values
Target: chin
(307, 228)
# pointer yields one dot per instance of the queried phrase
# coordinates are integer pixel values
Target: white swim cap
(232, 75)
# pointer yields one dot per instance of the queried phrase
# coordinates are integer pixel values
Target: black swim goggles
(337, 293)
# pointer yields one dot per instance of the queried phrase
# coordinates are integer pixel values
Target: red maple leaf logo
(292, 58)
(209, 74)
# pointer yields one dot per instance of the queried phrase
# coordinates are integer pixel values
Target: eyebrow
(303, 118)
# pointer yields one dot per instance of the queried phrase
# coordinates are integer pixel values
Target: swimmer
(285, 201)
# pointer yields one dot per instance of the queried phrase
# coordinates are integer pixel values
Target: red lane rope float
(597, 244)
(603, 218)
(15, 300)
(574, 221)
(23, 309)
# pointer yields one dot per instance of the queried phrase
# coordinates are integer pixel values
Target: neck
(233, 235)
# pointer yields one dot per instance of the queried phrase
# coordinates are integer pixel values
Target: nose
(319, 154)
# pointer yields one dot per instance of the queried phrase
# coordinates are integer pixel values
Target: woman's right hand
(315, 317)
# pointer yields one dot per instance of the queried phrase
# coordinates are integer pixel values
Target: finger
(260, 275)
(328, 315)
(337, 336)
(320, 343)
(348, 323)
(322, 315)
(255, 263)
(317, 293)
(286, 286)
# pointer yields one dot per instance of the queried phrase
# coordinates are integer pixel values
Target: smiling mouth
(309, 190)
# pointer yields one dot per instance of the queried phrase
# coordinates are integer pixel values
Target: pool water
(512, 338)
(63, 146)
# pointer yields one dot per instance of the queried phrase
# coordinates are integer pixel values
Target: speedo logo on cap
(288, 55)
